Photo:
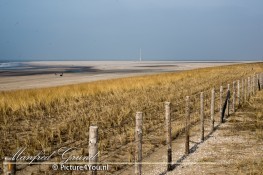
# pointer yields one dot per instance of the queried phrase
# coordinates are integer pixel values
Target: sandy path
(227, 150)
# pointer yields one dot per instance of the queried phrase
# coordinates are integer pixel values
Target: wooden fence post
(168, 135)
(251, 85)
(258, 86)
(261, 78)
(221, 102)
(187, 125)
(242, 91)
(248, 87)
(260, 74)
(234, 96)
(258, 82)
(225, 105)
(246, 90)
(220, 99)
(238, 93)
(93, 147)
(254, 83)
(138, 141)
(212, 109)
(9, 166)
(228, 100)
(202, 116)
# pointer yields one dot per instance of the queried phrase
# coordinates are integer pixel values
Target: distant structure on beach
(140, 54)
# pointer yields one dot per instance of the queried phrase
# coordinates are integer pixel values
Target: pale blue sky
(116, 29)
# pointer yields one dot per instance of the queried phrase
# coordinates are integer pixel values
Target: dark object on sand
(61, 74)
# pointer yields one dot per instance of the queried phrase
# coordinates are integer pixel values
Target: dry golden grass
(248, 123)
(51, 117)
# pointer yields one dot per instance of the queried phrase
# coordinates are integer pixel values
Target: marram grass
(48, 118)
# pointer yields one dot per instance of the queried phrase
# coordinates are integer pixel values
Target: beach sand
(47, 73)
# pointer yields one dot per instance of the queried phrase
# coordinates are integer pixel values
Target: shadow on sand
(192, 150)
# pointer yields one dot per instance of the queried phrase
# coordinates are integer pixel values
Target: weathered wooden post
(251, 85)
(138, 141)
(248, 87)
(242, 91)
(9, 166)
(93, 147)
(168, 135)
(221, 102)
(187, 125)
(258, 82)
(234, 96)
(202, 116)
(212, 109)
(261, 79)
(238, 93)
(220, 99)
(228, 100)
(225, 105)
(254, 83)
(246, 90)
(260, 74)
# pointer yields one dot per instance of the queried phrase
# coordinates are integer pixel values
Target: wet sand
(49, 73)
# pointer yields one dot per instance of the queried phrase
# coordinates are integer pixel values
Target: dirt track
(235, 147)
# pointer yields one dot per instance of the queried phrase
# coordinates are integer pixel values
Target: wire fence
(150, 134)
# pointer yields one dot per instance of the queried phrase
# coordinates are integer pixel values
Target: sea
(7, 65)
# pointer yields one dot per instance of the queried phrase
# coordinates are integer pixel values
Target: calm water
(11, 65)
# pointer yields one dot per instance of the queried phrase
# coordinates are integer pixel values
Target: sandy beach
(27, 75)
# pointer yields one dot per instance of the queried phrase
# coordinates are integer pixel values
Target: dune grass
(247, 124)
(47, 118)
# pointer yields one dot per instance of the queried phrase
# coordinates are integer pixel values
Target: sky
(117, 29)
